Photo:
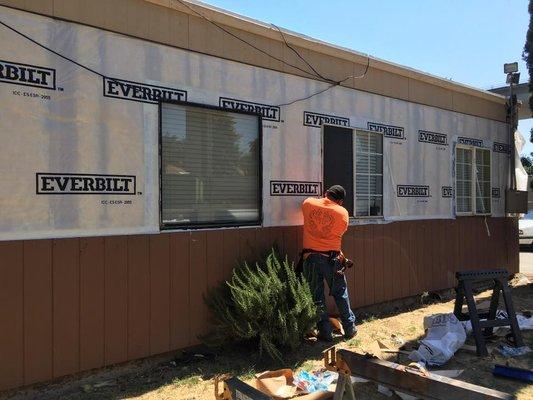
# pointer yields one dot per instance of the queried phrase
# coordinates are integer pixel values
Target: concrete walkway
(526, 262)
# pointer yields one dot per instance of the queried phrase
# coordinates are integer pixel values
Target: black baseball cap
(336, 192)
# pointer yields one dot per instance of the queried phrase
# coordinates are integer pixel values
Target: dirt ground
(189, 377)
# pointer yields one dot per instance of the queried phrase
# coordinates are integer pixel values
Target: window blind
(369, 174)
(483, 190)
(463, 179)
(209, 166)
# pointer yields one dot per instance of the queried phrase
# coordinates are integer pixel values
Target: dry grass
(194, 380)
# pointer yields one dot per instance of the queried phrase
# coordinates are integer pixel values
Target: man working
(325, 221)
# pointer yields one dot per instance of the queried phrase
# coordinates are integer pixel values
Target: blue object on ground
(509, 351)
(314, 382)
(513, 373)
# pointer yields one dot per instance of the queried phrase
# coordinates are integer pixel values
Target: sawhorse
(464, 290)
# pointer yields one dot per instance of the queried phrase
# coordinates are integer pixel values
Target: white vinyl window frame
(473, 178)
(369, 195)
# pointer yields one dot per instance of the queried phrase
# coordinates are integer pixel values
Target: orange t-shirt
(324, 224)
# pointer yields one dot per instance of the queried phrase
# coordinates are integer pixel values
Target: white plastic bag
(524, 323)
(445, 335)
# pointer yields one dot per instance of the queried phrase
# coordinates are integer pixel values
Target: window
(367, 201)
(338, 161)
(210, 167)
(368, 174)
(472, 180)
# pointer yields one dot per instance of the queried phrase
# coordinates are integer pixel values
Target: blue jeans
(317, 268)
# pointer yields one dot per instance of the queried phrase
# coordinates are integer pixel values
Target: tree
(264, 303)
(527, 54)
(527, 163)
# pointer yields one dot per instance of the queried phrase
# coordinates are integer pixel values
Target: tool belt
(330, 254)
(327, 253)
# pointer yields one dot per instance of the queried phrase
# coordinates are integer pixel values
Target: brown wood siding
(167, 22)
(69, 305)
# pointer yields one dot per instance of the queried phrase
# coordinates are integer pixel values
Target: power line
(51, 50)
(329, 87)
(243, 40)
(301, 57)
(332, 82)
(315, 72)
(307, 97)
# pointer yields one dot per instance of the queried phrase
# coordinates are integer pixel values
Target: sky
(467, 41)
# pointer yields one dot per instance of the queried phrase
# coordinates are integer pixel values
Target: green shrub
(264, 302)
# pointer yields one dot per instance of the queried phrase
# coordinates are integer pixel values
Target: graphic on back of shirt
(321, 222)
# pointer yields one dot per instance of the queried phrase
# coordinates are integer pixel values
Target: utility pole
(513, 77)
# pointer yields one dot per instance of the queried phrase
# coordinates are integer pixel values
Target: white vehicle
(525, 229)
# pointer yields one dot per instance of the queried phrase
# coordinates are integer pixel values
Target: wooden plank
(419, 228)
(180, 311)
(247, 245)
(355, 269)
(388, 273)
(469, 244)
(461, 262)
(502, 244)
(485, 244)
(359, 285)
(66, 306)
(478, 238)
(215, 262)
(368, 252)
(397, 259)
(290, 240)
(198, 285)
(431, 386)
(431, 266)
(38, 326)
(450, 249)
(230, 251)
(11, 314)
(513, 246)
(159, 294)
(278, 240)
(348, 250)
(263, 239)
(455, 250)
(138, 296)
(238, 389)
(116, 300)
(377, 264)
(410, 278)
(403, 262)
(495, 243)
(299, 240)
(439, 279)
(92, 306)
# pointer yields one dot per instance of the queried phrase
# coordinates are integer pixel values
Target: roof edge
(264, 29)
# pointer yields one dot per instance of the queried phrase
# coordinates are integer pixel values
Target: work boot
(350, 333)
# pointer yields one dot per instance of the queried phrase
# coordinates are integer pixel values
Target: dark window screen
(338, 161)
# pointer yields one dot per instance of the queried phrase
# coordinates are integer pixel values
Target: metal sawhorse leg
(464, 290)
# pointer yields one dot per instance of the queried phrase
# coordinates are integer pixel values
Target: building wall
(85, 126)
(168, 22)
(70, 305)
